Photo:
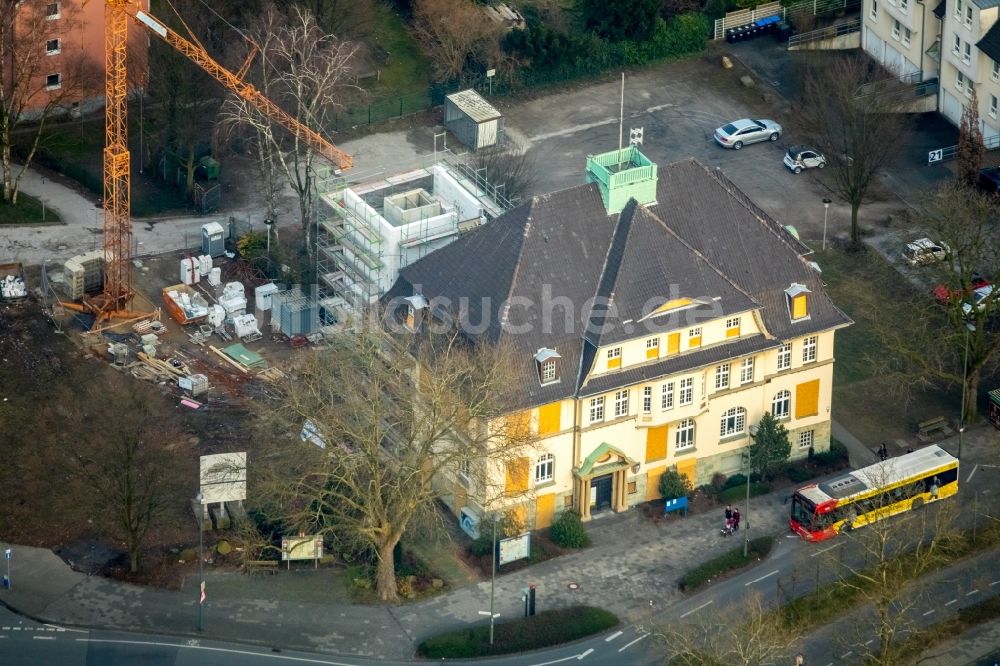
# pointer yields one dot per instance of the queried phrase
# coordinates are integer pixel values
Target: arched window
(545, 468)
(685, 435)
(781, 405)
(734, 422)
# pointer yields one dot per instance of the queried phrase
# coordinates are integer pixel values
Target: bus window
(802, 511)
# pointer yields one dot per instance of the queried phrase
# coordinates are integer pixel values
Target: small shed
(213, 239)
(472, 119)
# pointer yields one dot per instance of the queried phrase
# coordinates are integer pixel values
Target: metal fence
(829, 32)
(814, 7)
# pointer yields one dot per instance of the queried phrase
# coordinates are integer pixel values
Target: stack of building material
(84, 273)
(12, 287)
(233, 299)
(245, 357)
(190, 271)
(246, 327)
(205, 265)
(215, 276)
(184, 304)
(194, 384)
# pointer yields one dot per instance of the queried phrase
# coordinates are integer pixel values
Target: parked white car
(925, 251)
(798, 158)
(979, 300)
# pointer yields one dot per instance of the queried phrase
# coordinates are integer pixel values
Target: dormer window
(797, 296)
(415, 307)
(614, 358)
(547, 365)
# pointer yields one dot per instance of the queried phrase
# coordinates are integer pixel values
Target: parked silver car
(798, 158)
(925, 251)
(743, 132)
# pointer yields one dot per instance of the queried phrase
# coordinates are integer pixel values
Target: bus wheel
(917, 503)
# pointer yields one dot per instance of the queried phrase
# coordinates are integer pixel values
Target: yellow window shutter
(807, 399)
(549, 418)
(656, 443)
(653, 352)
(517, 476)
(800, 307)
(653, 482)
(545, 506)
(688, 467)
(733, 332)
(673, 343)
(614, 363)
(695, 341)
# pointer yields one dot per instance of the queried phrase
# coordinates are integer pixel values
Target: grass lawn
(727, 562)
(868, 405)
(27, 211)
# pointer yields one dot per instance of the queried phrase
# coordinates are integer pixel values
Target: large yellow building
(658, 313)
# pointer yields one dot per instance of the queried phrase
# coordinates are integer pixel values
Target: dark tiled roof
(707, 356)
(990, 43)
(532, 276)
(940, 9)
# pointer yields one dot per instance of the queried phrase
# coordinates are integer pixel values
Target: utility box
(213, 239)
(472, 119)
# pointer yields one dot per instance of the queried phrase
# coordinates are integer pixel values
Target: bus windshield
(803, 510)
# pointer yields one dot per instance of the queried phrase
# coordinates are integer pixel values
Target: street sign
(935, 156)
(8, 554)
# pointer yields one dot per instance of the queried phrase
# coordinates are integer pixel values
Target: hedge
(736, 493)
(728, 561)
(545, 629)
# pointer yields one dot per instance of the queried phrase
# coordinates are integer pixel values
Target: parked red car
(944, 294)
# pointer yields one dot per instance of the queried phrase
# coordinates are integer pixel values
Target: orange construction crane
(116, 298)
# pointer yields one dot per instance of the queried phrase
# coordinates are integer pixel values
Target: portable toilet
(213, 239)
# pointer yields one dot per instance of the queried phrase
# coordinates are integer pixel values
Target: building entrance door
(600, 492)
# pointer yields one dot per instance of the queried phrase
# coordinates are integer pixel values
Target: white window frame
(874, 11)
(647, 399)
(895, 29)
(653, 343)
(614, 352)
(809, 346)
(694, 333)
(733, 423)
(685, 391)
(52, 16)
(967, 53)
(960, 81)
(968, 16)
(956, 47)
(785, 356)
(55, 51)
(597, 409)
(969, 86)
(721, 376)
(549, 371)
(906, 37)
(53, 86)
(781, 404)
(621, 403)
(545, 468)
(684, 435)
(806, 438)
(995, 73)
(667, 396)
(746, 371)
(958, 9)
(993, 106)
(904, 6)
(732, 322)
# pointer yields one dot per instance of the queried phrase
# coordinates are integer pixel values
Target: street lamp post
(199, 499)
(826, 212)
(965, 374)
(746, 540)
(493, 575)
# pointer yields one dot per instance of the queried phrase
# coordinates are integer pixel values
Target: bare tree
(890, 557)
(970, 144)
(128, 465)
(510, 168)
(303, 70)
(452, 32)
(852, 111)
(32, 44)
(953, 342)
(386, 421)
(746, 633)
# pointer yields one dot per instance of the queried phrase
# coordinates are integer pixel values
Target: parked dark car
(989, 180)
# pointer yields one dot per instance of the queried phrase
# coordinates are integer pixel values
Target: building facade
(902, 35)
(657, 315)
(970, 61)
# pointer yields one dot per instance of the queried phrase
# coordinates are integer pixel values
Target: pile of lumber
(162, 369)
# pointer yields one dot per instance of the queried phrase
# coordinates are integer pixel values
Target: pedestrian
(729, 512)
(883, 452)
(736, 520)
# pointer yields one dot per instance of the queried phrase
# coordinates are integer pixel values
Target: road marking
(17, 628)
(558, 661)
(933, 610)
(996, 582)
(969, 594)
(828, 548)
(949, 603)
(760, 579)
(695, 610)
(846, 655)
(584, 654)
(263, 655)
(628, 645)
(613, 636)
(58, 628)
(44, 638)
(969, 478)
(869, 641)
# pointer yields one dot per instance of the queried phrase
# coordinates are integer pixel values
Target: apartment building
(970, 61)
(657, 315)
(903, 36)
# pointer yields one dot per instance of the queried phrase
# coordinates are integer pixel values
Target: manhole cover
(574, 586)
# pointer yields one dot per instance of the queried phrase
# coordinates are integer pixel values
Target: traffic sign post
(8, 555)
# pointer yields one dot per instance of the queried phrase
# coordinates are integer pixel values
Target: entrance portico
(601, 481)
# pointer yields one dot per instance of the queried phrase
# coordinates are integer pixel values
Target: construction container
(215, 276)
(293, 313)
(84, 273)
(245, 326)
(184, 304)
(13, 288)
(205, 264)
(194, 384)
(262, 295)
(190, 271)
(213, 239)
(472, 119)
